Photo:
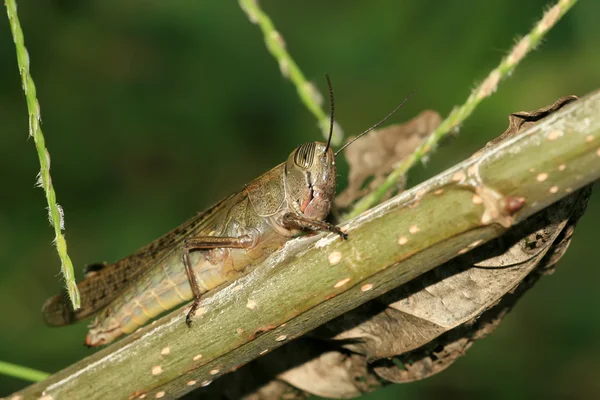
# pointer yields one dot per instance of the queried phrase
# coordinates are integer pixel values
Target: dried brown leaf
(521, 120)
(509, 275)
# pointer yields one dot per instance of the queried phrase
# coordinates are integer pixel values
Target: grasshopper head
(310, 179)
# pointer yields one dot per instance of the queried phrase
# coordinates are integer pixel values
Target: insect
(211, 249)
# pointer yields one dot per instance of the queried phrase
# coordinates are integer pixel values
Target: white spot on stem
(555, 134)
(476, 243)
(341, 283)
(366, 287)
(157, 370)
(335, 258)
(486, 219)
(458, 176)
(251, 304)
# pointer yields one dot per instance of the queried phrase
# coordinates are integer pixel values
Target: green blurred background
(154, 110)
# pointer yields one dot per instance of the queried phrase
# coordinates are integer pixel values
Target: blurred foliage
(154, 110)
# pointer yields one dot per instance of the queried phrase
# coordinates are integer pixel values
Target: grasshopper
(211, 249)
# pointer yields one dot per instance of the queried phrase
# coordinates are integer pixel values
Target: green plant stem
(300, 287)
(309, 94)
(25, 373)
(459, 114)
(55, 212)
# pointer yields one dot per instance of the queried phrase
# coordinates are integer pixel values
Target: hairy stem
(459, 114)
(309, 94)
(55, 212)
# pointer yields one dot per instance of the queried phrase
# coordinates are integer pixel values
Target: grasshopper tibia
(207, 243)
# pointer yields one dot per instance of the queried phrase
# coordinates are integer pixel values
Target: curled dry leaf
(521, 120)
(376, 154)
(526, 252)
(422, 327)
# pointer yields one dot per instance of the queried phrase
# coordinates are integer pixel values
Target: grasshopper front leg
(207, 243)
(292, 220)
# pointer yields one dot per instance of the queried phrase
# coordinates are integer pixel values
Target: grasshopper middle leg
(298, 221)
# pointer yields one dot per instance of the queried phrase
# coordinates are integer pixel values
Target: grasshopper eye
(305, 155)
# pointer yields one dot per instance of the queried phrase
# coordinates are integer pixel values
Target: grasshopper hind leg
(207, 243)
(194, 285)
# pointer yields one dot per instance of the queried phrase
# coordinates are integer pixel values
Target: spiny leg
(292, 220)
(207, 243)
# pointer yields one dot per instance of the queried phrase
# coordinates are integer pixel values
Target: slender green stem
(308, 93)
(25, 373)
(458, 115)
(55, 212)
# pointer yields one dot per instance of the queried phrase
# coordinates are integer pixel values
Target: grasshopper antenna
(332, 110)
(374, 126)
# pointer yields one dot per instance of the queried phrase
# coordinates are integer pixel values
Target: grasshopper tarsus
(189, 318)
(334, 229)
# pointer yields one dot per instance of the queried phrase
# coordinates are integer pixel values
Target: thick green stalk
(55, 212)
(458, 115)
(317, 278)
